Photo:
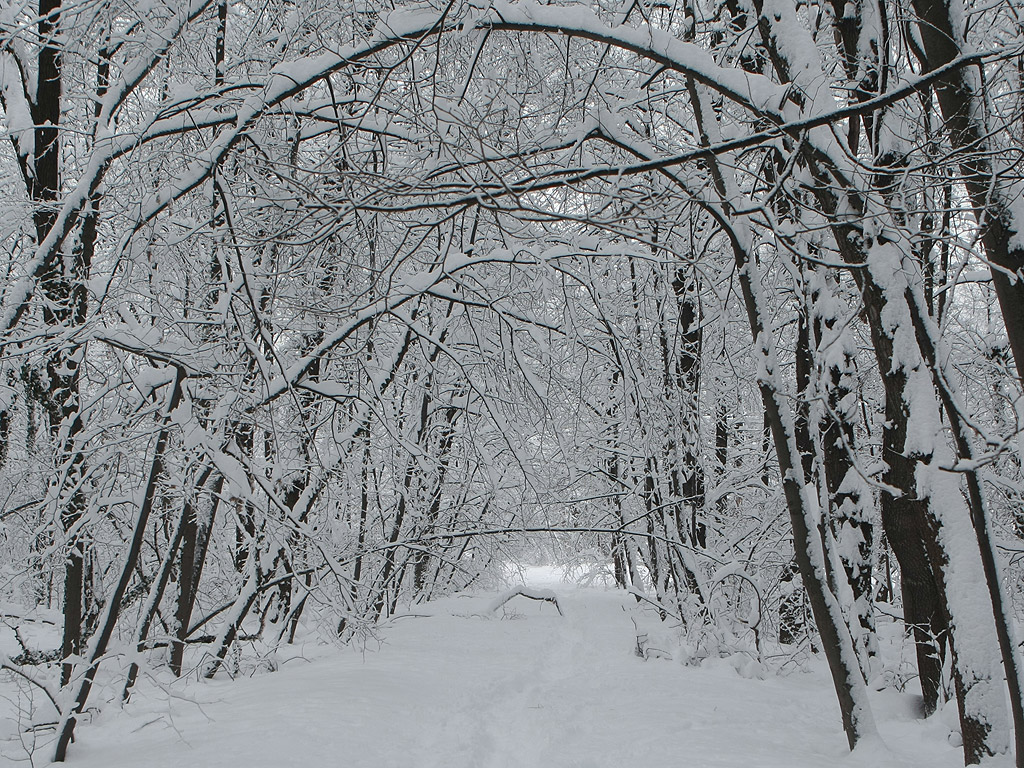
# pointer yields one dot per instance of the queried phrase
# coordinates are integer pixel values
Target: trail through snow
(519, 688)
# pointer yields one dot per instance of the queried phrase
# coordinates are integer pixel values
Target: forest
(312, 311)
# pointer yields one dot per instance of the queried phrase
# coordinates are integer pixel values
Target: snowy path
(529, 691)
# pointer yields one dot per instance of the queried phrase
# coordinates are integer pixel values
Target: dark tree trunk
(64, 305)
(98, 645)
(991, 196)
(194, 544)
(849, 504)
(809, 553)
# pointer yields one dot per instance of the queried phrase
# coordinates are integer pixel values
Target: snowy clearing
(451, 686)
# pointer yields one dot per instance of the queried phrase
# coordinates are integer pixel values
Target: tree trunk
(69, 715)
(195, 542)
(992, 194)
(804, 514)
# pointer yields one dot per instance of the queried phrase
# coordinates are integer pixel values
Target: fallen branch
(543, 595)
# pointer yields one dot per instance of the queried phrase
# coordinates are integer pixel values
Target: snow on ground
(456, 687)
